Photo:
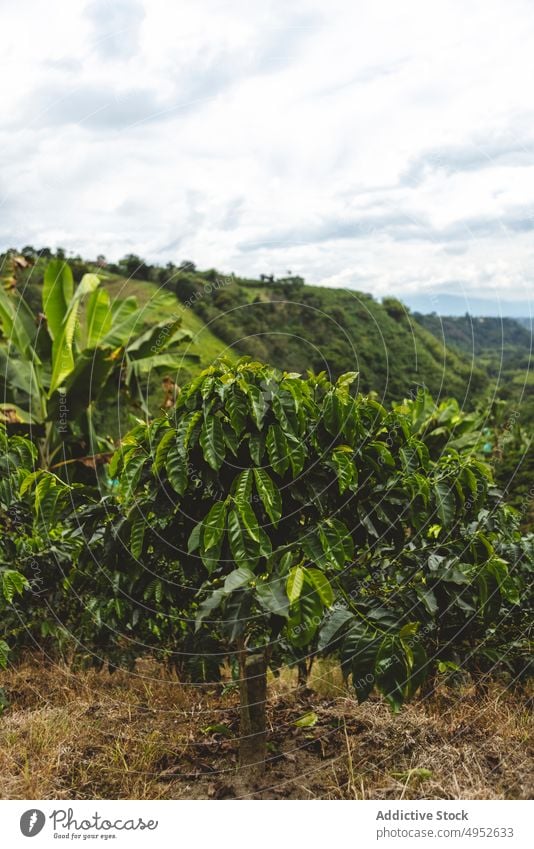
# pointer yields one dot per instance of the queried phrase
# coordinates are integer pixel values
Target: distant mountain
(449, 304)
(498, 344)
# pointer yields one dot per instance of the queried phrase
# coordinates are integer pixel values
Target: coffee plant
(269, 518)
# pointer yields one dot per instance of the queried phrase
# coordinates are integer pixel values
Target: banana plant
(78, 354)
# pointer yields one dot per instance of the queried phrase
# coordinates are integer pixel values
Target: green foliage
(39, 541)
(392, 558)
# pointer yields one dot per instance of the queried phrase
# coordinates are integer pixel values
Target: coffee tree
(285, 516)
(39, 542)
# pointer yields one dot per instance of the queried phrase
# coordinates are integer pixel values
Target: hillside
(160, 304)
(289, 324)
(300, 327)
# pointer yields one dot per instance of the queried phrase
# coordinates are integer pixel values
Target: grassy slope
(160, 305)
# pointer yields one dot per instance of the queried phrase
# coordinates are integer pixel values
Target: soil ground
(144, 735)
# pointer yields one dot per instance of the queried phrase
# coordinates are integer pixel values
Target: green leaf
(154, 590)
(158, 363)
(98, 317)
(248, 517)
(418, 666)
(57, 292)
(163, 448)
(272, 597)
(159, 337)
(304, 618)
(193, 543)
(277, 449)
(237, 614)
(257, 404)
(307, 721)
(499, 569)
(29, 480)
(244, 549)
(385, 456)
(269, 494)
(240, 577)
(62, 348)
(295, 583)
(124, 323)
(297, 454)
(322, 585)
(409, 630)
(256, 447)
(47, 493)
(332, 542)
(212, 442)
(211, 559)
(237, 409)
(358, 656)
(333, 627)
(14, 329)
(445, 503)
(391, 672)
(186, 429)
(214, 525)
(137, 535)
(345, 467)
(218, 728)
(13, 583)
(417, 774)
(176, 468)
(332, 413)
(209, 604)
(242, 485)
(427, 597)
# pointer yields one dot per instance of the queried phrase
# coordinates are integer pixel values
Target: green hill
(498, 343)
(299, 327)
(288, 324)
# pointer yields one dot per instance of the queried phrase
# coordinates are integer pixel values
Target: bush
(288, 517)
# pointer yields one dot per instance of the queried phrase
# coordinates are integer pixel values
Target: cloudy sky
(382, 146)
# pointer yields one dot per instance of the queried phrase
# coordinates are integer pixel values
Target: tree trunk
(304, 668)
(302, 680)
(253, 730)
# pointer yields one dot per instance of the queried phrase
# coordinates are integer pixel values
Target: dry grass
(145, 735)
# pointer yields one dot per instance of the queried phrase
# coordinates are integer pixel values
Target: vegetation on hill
(302, 328)
(481, 362)
(288, 324)
(499, 343)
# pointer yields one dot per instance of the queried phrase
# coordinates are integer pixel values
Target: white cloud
(381, 146)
